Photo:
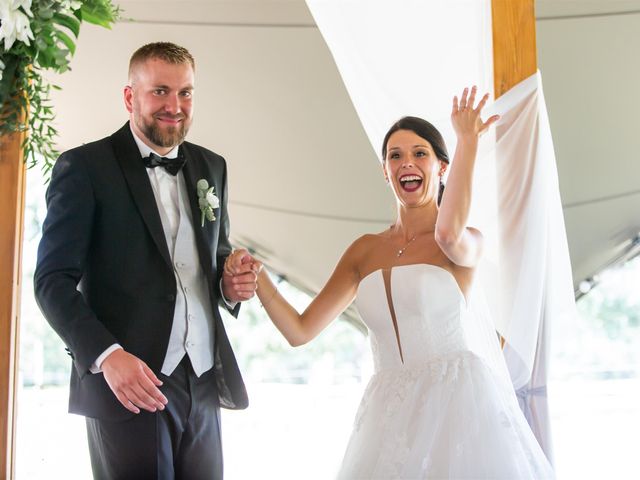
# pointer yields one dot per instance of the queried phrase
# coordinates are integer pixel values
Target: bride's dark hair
(425, 130)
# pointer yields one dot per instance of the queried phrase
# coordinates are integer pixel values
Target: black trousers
(182, 442)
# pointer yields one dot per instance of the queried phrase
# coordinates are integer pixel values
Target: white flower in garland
(207, 201)
(15, 22)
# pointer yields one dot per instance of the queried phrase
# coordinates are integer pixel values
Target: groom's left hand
(239, 279)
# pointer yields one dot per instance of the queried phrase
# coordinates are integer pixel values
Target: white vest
(192, 331)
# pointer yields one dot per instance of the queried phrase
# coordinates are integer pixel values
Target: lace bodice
(429, 311)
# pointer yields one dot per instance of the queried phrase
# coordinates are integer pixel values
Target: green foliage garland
(38, 35)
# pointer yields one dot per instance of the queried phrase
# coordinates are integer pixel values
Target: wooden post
(514, 43)
(514, 48)
(12, 189)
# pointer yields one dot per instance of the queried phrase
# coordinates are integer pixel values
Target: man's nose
(172, 104)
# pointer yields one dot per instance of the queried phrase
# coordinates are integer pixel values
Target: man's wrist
(97, 365)
(229, 303)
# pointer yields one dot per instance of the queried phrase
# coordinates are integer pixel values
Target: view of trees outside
(334, 357)
(303, 399)
(611, 328)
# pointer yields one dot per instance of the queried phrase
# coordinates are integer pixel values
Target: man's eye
(186, 94)
(159, 91)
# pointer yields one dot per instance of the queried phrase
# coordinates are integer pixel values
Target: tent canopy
(304, 180)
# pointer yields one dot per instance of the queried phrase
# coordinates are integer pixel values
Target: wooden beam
(12, 189)
(514, 43)
(514, 48)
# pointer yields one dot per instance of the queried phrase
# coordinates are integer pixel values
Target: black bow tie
(171, 165)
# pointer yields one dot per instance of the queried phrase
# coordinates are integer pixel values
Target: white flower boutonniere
(207, 201)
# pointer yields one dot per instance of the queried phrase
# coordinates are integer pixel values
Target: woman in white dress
(436, 406)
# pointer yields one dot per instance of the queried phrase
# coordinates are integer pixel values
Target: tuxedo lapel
(194, 169)
(128, 156)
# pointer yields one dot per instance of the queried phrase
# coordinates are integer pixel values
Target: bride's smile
(410, 182)
(412, 167)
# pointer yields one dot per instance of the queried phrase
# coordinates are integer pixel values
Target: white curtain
(534, 274)
(405, 57)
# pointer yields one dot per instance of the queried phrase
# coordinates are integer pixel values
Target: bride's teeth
(410, 178)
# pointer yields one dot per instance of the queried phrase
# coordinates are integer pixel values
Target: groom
(130, 275)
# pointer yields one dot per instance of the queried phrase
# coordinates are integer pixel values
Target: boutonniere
(207, 201)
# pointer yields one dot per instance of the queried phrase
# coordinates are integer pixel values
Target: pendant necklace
(401, 251)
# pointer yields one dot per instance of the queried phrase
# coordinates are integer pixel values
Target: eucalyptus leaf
(45, 13)
(45, 59)
(41, 43)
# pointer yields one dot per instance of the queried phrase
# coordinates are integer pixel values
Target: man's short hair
(165, 51)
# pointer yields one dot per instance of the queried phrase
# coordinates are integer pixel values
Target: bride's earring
(440, 190)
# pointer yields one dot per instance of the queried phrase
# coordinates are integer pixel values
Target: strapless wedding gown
(433, 409)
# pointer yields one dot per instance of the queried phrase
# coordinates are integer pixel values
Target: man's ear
(128, 98)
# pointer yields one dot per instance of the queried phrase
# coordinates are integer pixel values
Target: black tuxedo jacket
(104, 274)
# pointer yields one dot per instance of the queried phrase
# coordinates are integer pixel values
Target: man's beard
(168, 138)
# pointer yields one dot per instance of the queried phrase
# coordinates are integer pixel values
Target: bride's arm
(460, 243)
(333, 299)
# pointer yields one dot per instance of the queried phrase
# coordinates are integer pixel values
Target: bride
(436, 406)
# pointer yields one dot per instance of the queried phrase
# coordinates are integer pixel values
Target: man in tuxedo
(130, 275)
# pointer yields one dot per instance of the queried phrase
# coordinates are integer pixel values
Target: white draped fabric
(407, 57)
(535, 272)
(400, 58)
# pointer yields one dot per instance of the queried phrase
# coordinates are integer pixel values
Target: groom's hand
(132, 382)
(240, 276)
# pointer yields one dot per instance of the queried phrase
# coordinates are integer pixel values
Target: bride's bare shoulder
(362, 248)
(367, 241)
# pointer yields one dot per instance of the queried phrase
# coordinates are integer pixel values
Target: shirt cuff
(97, 365)
(229, 303)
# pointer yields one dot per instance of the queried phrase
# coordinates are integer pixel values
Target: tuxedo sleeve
(224, 246)
(62, 255)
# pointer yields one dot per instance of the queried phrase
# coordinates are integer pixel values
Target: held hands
(132, 382)
(466, 119)
(240, 276)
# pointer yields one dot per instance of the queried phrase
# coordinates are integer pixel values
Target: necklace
(401, 251)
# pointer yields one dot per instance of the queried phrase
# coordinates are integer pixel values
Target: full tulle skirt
(448, 418)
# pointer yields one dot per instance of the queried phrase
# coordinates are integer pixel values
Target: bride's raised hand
(466, 118)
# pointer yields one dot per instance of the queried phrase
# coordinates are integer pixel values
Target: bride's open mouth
(410, 183)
